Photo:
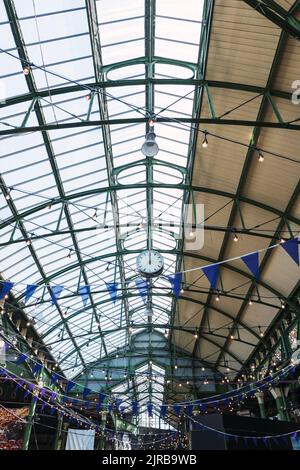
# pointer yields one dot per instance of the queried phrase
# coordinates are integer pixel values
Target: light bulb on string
(260, 157)
(235, 236)
(28, 241)
(8, 195)
(95, 215)
(26, 70)
(250, 302)
(205, 141)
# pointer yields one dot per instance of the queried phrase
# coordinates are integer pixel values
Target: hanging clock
(150, 263)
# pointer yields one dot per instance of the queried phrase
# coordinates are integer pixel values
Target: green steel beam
(39, 94)
(17, 34)
(244, 174)
(208, 228)
(91, 7)
(124, 121)
(277, 15)
(239, 191)
(108, 189)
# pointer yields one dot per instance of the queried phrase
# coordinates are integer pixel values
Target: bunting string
(211, 271)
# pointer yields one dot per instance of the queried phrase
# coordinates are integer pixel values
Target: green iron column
(278, 394)
(30, 422)
(261, 404)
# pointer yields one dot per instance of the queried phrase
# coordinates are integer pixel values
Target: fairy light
(260, 157)
(26, 70)
(235, 237)
(205, 141)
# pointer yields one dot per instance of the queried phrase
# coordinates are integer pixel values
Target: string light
(8, 196)
(28, 241)
(250, 302)
(26, 70)
(196, 336)
(235, 237)
(260, 157)
(205, 141)
(218, 297)
(95, 215)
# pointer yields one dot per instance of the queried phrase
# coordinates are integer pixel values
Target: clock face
(150, 263)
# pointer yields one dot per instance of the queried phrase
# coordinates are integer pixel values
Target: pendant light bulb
(205, 141)
(150, 148)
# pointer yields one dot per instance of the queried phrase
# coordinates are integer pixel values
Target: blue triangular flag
(86, 392)
(175, 282)
(177, 409)
(163, 410)
(69, 386)
(84, 291)
(142, 286)
(54, 378)
(291, 247)
(212, 272)
(118, 403)
(37, 368)
(55, 292)
(190, 409)
(252, 263)
(30, 290)
(21, 358)
(150, 409)
(135, 408)
(112, 288)
(102, 397)
(6, 286)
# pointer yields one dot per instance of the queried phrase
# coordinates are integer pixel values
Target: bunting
(84, 292)
(252, 263)
(112, 288)
(212, 272)
(175, 282)
(30, 290)
(291, 247)
(6, 287)
(142, 287)
(55, 292)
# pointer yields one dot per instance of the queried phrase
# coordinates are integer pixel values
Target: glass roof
(58, 224)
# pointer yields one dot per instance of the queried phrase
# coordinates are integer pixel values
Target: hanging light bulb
(29, 242)
(218, 298)
(166, 333)
(205, 141)
(196, 335)
(95, 215)
(260, 157)
(203, 369)
(282, 304)
(7, 197)
(260, 332)
(235, 237)
(26, 70)
(250, 302)
(150, 148)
